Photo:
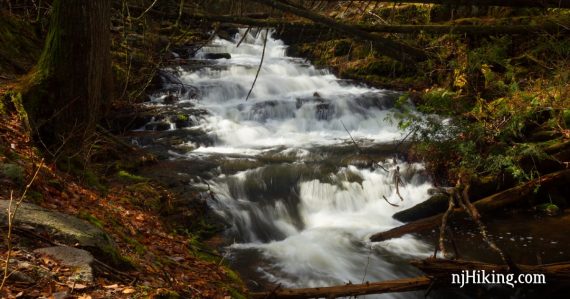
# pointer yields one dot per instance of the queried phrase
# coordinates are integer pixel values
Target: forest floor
(152, 256)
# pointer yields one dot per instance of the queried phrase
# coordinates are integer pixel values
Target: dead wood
(487, 204)
(391, 286)
(390, 48)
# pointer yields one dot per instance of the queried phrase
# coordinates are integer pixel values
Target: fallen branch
(391, 286)
(390, 48)
(398, 181)
(487, 204)
(443, 227)
(394, 205)
(260, 64)
(549, 26)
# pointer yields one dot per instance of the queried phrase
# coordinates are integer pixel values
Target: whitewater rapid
(293, 219)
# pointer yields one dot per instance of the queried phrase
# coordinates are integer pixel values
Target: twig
(444, 225)
(398, 181)
(260, 64)
(475, 216)
(147, 10)
(406, 137)
(394, 205)
(243, 37)
(359, 150)
(11, 215)
(367, 264)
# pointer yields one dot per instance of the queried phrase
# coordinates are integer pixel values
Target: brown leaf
(129, 291)
(76, 286)
(113, 286)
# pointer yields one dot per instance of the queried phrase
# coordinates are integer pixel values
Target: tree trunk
(72, 80)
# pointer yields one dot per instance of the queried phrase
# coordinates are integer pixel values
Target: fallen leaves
(129, 291)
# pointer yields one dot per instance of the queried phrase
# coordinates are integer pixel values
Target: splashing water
(300, 221)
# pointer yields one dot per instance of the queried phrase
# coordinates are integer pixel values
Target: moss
(235, 294)
(140, 249)
(35, 196)
(126, 176)
(182, 117)
(166, 294)
(14, 172)
(91, 218)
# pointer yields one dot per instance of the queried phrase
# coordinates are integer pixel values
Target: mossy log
(547, 27)
(390, 48)
(487, 204)
(349, 290)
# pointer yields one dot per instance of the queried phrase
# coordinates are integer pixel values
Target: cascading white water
(308, 222)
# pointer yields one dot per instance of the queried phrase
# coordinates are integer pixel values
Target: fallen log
(487, 204)
(443, 269)
(505, 3)
(391, 286)
(390, 48)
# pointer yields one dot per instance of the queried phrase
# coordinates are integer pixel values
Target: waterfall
(302, 214)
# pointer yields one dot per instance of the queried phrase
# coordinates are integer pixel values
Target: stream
(300, 199)
(302, 212)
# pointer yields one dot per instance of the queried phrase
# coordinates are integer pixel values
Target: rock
(369, 100)
(78, 259)
(65, 228)
(548, 209)
(262, 111)
(170, 99)
(182, 121)
(217, 56)
(324, 109)
(433, 206)
(157, 126)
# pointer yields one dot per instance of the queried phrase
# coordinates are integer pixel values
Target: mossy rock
(66, 229)
(549, 209)
(13, 172)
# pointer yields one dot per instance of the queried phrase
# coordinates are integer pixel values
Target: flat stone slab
(64, 228)
(78, 259)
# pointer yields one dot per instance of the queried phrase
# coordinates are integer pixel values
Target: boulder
(170, 99)
(157, 126)
(217, 56)
(64, 228)
(79, 260)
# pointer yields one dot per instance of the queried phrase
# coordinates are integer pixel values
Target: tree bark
(486, 204)
(349, 290)
(65, 93)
